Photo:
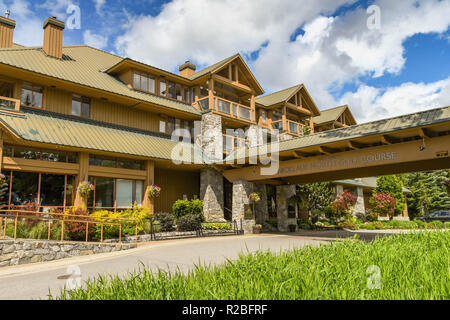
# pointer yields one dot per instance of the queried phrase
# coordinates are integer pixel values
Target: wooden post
(149, 180)
(120, 233)
(49, 230)
(284, 117)
(87, 231)
(253, 107)
(311, 124)
(80, 201)
(211, 93)
(1, 150)
(101, 233)
(15, 227)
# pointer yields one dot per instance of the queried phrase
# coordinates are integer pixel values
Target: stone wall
(211, 137)
(359, 206)
(284, 193)
(241, 191)
(19, 252)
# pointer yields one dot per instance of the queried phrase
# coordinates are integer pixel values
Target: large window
(163, 87)
(37, 191)
(115, 193)
(81, 106)
(31, 95)
(144, 82)
(39, 154)
(172, 90)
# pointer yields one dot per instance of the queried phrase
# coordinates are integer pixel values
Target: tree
(428, 193)
(393, 186)
(315, 196)
(383, 204)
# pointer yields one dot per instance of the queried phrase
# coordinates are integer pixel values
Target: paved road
(34, 281)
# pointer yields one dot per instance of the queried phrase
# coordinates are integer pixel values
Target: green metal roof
(384, 126)
(278, 97)
(46, 127)
(330, 115)
(85, 66)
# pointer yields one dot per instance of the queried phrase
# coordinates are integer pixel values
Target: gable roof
(331, 115)
(217, 66)
(50, 128)
(279, 96)
(85, 66)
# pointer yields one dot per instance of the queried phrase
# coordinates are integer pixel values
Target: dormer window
(144, 82)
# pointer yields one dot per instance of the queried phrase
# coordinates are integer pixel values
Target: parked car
(443, 216)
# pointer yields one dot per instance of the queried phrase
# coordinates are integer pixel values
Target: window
(171, 125)
(163, 87)
(100, 161)
(144, 82)
(112, 193)
(178, 93)
(203, 92)
(31, 95)
(263, 115)
(193, 94)
(187, 95)
(172, 90)
(39, 154)
(162, 126)
(81, 106)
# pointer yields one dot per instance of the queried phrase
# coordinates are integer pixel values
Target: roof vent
(7, 14)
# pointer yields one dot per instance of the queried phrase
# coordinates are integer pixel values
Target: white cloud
(58, 8)
(99, 5)
(95, 40)
(369, 103)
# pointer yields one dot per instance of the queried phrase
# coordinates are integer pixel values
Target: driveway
(34, 281)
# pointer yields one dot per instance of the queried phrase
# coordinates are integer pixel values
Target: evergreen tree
(393, 186)
(316, 196)
(428, 192)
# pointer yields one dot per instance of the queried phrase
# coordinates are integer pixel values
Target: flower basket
(2, 179)
(154, 192)
(85, 188)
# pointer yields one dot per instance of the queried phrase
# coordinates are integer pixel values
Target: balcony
(227, 108)
(291, 127)
(9, 104)
(231, 143)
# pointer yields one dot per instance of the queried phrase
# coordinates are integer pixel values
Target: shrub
(447, 224)
(304, 224)
(367, 227)
(76, 230)
(166, 221)
(189, 223)
(109, 231)
(188, 207)
(216, 226)
(393, 186)
(344, 204)
(39, 231)
(436, 224)
(383, 204)
(378, 225)
(348, 225)
(272, 222)
(420, 224)
(140, 215)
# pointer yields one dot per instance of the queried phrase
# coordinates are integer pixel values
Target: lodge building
(74, 113)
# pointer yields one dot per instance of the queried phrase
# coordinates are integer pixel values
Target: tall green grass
(414, 266)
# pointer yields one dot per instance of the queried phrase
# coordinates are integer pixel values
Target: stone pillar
(241, 191)
(339, 189)
(255, 136)
(262, 208)
(211, 192)
(359, 206)
(284, 193)
(212, 137)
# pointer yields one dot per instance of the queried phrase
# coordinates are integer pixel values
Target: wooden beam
(234, 84)
(425, 133)
(356, 145)
(299, 109)
(386, 139)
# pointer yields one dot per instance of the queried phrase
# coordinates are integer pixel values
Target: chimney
(53, 37)
(7, 27)
(187, 69)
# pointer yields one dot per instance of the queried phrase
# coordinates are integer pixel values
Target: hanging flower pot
(154, 192)
(85, 188)
(2, 179)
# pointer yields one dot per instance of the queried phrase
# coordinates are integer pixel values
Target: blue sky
(403, 66)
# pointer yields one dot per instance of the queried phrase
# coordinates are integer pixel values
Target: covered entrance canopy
(415, 142)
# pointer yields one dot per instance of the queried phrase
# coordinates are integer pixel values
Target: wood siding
(175, 184)
(59, 101)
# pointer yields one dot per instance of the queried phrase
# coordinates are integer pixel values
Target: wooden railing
(231, 143)
(291, 127)
(14, 216)
(226, 107)
(9, 103)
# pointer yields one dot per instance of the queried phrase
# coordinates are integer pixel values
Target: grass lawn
(413, 266)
